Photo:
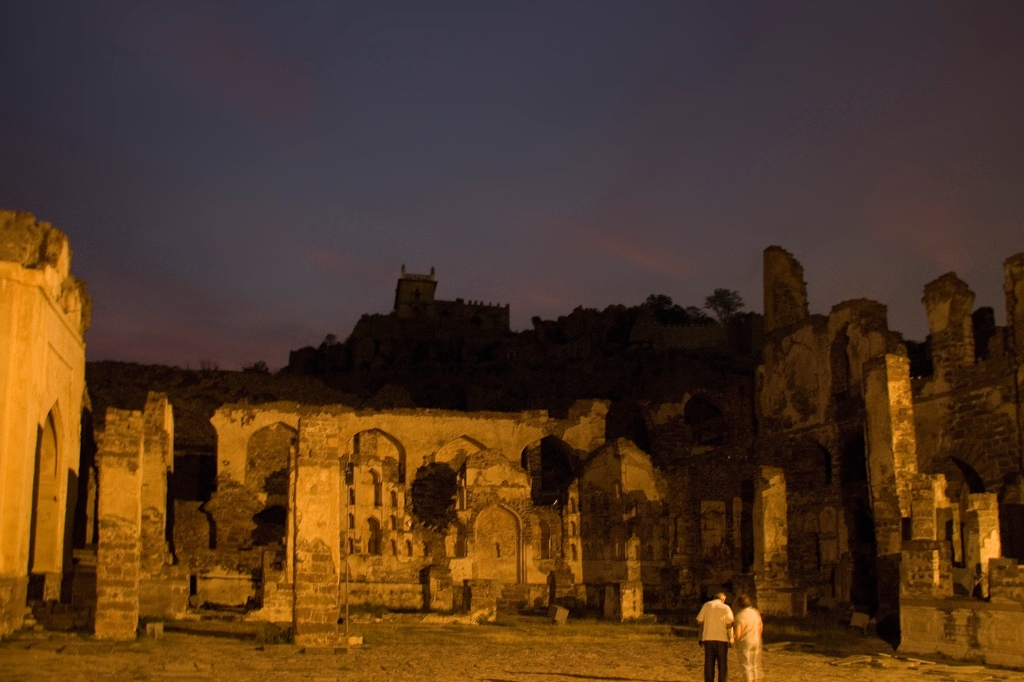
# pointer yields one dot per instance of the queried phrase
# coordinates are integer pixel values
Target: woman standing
(747, 629)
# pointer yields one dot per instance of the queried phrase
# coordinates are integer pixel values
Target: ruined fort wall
(420, 434)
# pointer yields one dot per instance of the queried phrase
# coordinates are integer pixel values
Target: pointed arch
(551, 464)
(44, 545)
(455, 451)
(267, 458)
(497, 532)
(378, 444)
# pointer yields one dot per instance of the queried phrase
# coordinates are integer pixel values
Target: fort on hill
(616, 463)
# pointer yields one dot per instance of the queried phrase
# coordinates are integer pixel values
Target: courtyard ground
(522, 649)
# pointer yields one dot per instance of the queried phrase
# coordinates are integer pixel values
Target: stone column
(158, 460)
(118, 554)
(926, 567)
(892, 464)
(318, 564)
(163, 587)
(771, 542)
(982, 543)
(949, 301)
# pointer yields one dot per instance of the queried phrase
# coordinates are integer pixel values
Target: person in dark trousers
(715, 635)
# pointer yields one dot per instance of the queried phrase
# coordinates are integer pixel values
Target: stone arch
(455, 452)
(497, 535)
(705, 422)
(968, 475)
(268, 457)
(44, 545)
(377, 444)
(551, 463)
(545, 540)
(377, 485)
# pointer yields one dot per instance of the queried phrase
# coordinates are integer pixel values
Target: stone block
(482, 597)
(558, 615)
(155, 629)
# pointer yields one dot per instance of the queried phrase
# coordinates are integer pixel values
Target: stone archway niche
(498, 542)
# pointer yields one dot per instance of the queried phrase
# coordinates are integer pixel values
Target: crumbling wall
(785, 292)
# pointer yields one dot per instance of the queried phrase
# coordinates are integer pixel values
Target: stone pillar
(631, 600)
(771, 542)
(785, 292)
(982, 543)
(1013, 286)
(158, 460)
(892, 465)
(928, 497)
(163, 588)
(623, 601)
(317, 533)
(120, 461)
(926, 566)
(949, 301)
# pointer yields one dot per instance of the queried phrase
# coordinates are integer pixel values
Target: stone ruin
(845, 467)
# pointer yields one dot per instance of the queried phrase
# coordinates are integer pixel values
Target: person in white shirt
(748, 629)
(715, 621)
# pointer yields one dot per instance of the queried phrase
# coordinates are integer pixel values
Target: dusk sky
(242, 178)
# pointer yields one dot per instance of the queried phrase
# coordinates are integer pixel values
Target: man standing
(715, 620)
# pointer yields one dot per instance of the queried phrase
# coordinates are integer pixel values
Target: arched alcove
(550, 463)
(455, 452)
(267, 460)
(373, 537)
(44, 545)
(377, 444)
(497, 541)
(706, 424)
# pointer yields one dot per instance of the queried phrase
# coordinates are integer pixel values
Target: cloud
(627, 247)
(229, 60)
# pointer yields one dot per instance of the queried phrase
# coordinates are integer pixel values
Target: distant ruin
(610, 462)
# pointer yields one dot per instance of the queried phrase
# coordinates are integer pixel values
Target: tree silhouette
(724, 303)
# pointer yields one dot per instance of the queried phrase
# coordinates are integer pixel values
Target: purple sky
(240, 179)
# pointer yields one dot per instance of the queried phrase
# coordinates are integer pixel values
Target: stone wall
(44, 311)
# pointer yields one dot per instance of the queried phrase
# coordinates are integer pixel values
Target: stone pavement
(522, 652)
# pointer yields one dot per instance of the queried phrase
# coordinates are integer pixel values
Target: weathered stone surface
(785, 292)
(948, 301)
(119, 555)
(44, 311)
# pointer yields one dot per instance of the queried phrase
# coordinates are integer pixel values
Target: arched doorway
(497, 545)
(268, 459)
(45, 546)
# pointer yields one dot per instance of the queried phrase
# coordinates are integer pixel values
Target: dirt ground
(516, 650)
